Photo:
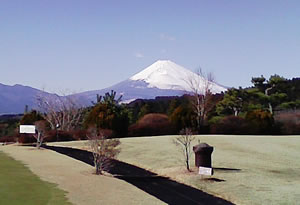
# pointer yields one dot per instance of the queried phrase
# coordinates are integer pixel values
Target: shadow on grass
(215, 179)
(221, 169)
(165, 189)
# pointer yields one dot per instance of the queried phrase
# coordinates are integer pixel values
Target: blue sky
(74, 46)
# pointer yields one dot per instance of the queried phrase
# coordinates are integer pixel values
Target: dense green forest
(270, 106)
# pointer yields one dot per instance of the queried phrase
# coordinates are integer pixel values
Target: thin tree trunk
(187, 159)
(38, 143)
(235, 112)
(270, 108)
(267, 94)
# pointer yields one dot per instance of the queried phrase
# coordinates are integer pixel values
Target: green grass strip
(18, 185)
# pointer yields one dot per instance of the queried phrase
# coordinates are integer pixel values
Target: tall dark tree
(232, 103)
(268, 92)
(31, 117)
(109, 114)
(110, 98)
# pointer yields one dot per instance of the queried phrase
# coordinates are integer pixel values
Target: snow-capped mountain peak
(162, 78)
(165, 74)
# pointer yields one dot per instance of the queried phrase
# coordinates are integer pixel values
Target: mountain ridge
(13, 98)
(162, 78)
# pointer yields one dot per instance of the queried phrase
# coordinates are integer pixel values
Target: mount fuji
(162, 78)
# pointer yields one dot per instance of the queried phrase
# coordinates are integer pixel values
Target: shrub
(290, 128)
(230, 125)
(183, 116)
(8, 139)
(152, 124)
(26, 138)
(260, 122)
(215, 120)
(79, 134)
(290, 122)
(52, 136)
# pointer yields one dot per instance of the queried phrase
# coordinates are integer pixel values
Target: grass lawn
(18, 185)
(269, 166)
(261, 169)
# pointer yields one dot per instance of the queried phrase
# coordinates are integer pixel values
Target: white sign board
(27, 129)
(205, 171)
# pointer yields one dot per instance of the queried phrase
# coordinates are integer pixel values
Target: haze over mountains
(162, 78)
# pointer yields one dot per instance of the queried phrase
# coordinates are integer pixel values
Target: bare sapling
(200, 85)
(41, 132)
(103, 149)
(184, 142)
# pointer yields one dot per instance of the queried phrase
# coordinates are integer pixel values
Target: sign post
(205, 171)
(27, 129)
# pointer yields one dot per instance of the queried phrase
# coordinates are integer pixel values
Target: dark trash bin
(203, 155)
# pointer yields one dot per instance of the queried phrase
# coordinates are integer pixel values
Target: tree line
(269, 106)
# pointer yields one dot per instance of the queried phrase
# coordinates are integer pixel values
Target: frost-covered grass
(269, 165)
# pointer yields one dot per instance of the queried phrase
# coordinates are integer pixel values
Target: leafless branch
(103, 149)
(60, 110)
(184, 142)
(200, 85)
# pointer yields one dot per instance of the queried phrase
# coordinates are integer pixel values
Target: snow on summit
(165, 74)
(162, 78)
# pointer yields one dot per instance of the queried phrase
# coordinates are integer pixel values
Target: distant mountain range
(162, 78)
(13, 99)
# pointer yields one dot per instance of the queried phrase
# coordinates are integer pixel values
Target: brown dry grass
(78, 178)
